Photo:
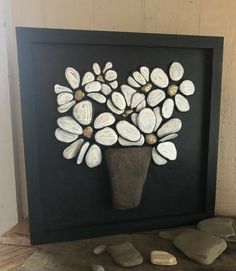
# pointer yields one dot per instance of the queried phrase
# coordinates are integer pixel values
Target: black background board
(67, 201)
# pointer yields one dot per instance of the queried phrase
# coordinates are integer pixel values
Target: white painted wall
(8, 206)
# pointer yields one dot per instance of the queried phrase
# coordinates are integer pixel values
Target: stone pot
(128, 169)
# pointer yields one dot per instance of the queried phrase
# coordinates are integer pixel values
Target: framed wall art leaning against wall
(120, 130)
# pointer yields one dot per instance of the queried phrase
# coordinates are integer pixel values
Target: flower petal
(96, 68)
(176, 71)
(146, 120)
(139, 78)
(107, 137)
(132, 82)
(59, 89)
(137, 98)
(97, 97)
(187, 87)
(82, 152)
(167, 108)
(83, 112)
(155, 97)
(68, 124)
(64, 98)
(114, 84)
(159, 78)
(64, 136)
(111, 75)
(87, 78)
(107, 67)
(128, 93)
(94, 86)
(113, 108)
(71, 151)
(106, 90)
(168, 150)
(72, 77)
(157, 159)
(170, 127)
(182, 103)
(145, 72)
(65, 107)
(94, 156)
(157, 112)
(124, 142)
(104, 120)
(168, 137)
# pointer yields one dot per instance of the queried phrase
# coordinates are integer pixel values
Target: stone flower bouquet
(138, 114)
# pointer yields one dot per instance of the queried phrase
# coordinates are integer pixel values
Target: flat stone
(171, 234)
(200, 246)
(128, 169)
(160, 257)
(219, 226)
(125, 255)
(97, 267)
(99, 249)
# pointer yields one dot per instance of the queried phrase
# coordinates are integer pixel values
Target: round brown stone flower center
(172, 90)
(88, 132)
(151, 139)
(79, 95)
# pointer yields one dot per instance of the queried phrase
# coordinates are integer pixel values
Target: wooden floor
(15, 247)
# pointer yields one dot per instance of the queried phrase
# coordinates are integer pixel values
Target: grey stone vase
(128, 169)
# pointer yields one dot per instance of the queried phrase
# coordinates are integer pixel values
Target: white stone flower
(89, 88)
(84, 135)
(148, 128)
(158, 89)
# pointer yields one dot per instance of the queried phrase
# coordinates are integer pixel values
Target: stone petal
(128, 130)
(64, 98)
(72, 77)
(187, 87)
(64, 136)
(106, 137)
(176, 71)
(141, 106)
(168, 150)
(94, 156)
(155, 97)
(59, 89)
(127, 143)
(157, 159)
(82, 152)
(137, 98)
(132, 82)
(168, 137)
(83, 112)
(96, 68)
(146, 120)
(170, 127)
(114, 84)
(128, 93)
(107, 67)
(167, 108)
(68, 124)
(118, 100)
(106, 90)
(157, 112)
(113, 108)
(145, 72)
(159, 78)
(94, 86)
(97, 97)
(65, 107)
(111, 75)
(182, 103)
(139, 78)
(71, 151)
(104, 120)
(134, 117)
(87, 78)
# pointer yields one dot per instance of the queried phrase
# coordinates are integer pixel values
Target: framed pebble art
(120, 130)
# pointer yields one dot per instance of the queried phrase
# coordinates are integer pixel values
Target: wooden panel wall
(197, 17)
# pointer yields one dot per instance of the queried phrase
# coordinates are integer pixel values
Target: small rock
(172, 90)
(200, 246)
(79, 95)
(219, 226)
(159, 257)
(151, 139)
(100, 78)
(97, 267)
(99, 249)
(125, 255)
(88, 132)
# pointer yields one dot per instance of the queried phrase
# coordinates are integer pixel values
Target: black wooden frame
(25, 38)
